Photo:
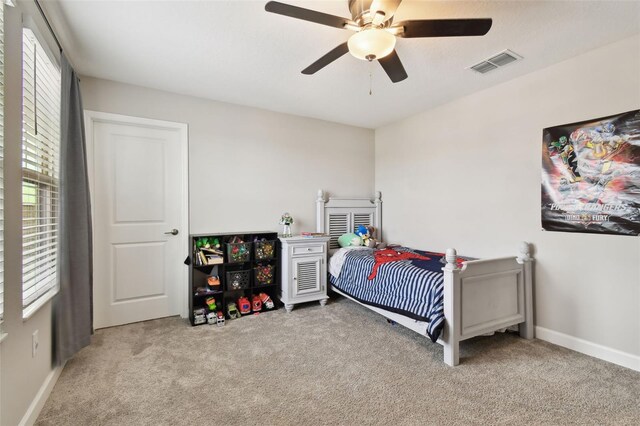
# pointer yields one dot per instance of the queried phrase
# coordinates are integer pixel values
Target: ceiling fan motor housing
(361, 11)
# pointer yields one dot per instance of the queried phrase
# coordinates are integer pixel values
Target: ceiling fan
(375, 36)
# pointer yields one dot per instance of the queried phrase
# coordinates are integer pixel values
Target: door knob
(172, 232)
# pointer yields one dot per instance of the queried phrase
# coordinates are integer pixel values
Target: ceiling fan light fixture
(371, 43)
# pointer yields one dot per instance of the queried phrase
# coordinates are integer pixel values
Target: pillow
(346, 240)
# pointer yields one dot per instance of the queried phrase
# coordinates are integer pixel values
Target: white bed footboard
(484, 296)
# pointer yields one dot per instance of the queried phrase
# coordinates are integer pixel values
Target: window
(1, 161)
(40, 168)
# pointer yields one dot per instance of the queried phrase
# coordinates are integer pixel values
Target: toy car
(266, 301)
(232, 311)
(256, 303)
(244, 305)
(199, 316)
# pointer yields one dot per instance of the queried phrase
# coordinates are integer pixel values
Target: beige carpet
(341, 364)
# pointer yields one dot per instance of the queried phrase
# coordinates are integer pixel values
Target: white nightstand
(304, 270)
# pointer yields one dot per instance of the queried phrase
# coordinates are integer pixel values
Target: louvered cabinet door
(307, 276)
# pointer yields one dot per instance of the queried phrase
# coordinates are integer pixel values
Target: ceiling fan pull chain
(370, 80)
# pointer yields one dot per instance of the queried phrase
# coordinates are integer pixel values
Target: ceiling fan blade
(306, 14)
(444, 27)
(393, 67)
(326, 59)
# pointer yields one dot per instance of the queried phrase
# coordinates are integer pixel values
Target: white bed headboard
(337, 216)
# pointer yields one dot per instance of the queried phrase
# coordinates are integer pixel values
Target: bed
(467, 298)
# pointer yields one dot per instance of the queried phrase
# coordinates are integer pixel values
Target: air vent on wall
(501, 59)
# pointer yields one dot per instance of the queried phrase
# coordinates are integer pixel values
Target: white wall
(467, 175)
(248, 166)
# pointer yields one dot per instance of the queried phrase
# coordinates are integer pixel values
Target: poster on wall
(591, 176)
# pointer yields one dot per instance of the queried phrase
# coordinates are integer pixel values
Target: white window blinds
(40, 167)
(1, 161)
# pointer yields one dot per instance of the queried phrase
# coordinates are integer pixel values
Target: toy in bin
(256, 303)
(212, 318)
(264, 248)
(199, 316)
(244, 306)
(237, 280)
(220, 319)
(266, 301)
(264, 274)
(232, 311)
(238, 252)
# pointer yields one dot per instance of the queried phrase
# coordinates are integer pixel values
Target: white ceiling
(234, 51)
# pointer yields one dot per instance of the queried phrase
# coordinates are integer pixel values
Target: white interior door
(138, 171)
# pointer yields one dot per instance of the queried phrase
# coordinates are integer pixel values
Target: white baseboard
(41, 397)
(589, 348)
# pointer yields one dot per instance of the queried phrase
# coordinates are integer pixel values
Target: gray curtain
(73, 305)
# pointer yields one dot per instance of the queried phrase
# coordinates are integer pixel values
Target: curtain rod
(46, 21)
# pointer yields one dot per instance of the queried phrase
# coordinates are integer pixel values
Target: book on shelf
(208, 258)
(208, 251)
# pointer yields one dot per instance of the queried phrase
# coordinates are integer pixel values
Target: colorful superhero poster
(591, 176)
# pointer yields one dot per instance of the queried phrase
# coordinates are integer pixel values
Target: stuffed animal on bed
(346, 240)
(367, 233)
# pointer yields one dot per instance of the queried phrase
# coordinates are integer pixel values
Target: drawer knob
(308, 248)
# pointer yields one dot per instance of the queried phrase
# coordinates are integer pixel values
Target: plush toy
(362, 231)
(215, 243)
(208, 243)
(211, 303)
(346, 240)
(367, 233)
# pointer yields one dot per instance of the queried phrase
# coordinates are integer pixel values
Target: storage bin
(264, 250)
(238, 280)
(264, 275)
(238, 252)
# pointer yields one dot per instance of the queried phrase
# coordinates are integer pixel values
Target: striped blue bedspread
(413, 288)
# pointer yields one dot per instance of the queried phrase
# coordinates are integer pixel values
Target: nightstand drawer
(311, 249)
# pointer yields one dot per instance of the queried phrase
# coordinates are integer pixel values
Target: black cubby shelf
(237, 258)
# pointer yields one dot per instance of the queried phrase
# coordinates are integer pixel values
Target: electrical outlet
(34, 344)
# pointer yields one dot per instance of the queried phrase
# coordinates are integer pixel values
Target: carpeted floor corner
(340, 364)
